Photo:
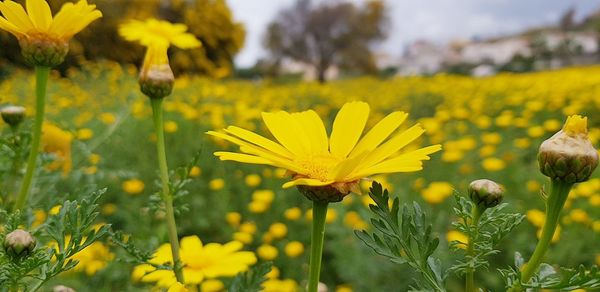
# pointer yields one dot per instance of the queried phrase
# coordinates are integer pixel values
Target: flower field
(98, 134)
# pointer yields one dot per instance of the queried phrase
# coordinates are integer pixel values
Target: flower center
(319, 166)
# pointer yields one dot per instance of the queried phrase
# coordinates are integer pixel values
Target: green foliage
(252, 280)
(409, 240)
(548, 277)
(491, 228)
(70, 231)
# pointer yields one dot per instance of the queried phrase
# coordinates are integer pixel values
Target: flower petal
(392, 146)
(287, 131)
(258, 140)
(315, 130)
(15, 14)
(306, 182)
(347, 128)
(39, 13)
(381, 131)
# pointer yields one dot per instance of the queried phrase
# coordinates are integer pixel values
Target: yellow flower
(177, 287)
(267, 252)
(85, 134)
(493, 164)
(133, 186)
(575, 125)
(437, 192)
(233, 218)
(199, 262)
(216, 184)
(212, 285)
(263, 196)
(158, 32)
(294, 249)
(252, 180)
(278, 230)
(156, 77)
(171, 127)
(459, 237)
(58, 142)
(292, 214)
(276, 285)
(536, 217)
(38, 31)
(340, 160)
(195, 171)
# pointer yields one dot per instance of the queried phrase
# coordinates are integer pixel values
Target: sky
(436, 20)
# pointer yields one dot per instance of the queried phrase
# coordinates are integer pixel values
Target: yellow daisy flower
(37, 30)
(156, 76)
(200, 262)
(341, 159)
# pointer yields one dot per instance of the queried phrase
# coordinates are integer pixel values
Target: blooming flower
(199, 262)
(156, 77)
(341, 159)
(43, 38)
(58, 142)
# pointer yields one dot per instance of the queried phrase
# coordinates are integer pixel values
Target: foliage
(407, 240)
(252, 280)
(493, 226)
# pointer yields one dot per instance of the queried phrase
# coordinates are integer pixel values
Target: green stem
(41, 74)
(554, 206)
(316, 245)
(470, 277)
(157, 114)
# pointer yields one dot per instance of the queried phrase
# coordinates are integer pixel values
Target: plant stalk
(554, 205)
(470, 277)
(157, 115)
(41, 81)
(316, 246)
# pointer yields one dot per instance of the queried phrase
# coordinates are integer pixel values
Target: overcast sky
(436, 20)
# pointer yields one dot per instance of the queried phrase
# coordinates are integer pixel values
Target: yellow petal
(256, 150)
(258, 140)
(39, 13)
(392, 146)
(390, 166)
(347, 128)
(315, 130)
(15, 14)
(306, 182)
(379, 133)
(345, 168)
(6, 25)
(191, 243)
(287, 131)
(193, 276)
(244, 158)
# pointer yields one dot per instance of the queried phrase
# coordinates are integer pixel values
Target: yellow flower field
(98, 132)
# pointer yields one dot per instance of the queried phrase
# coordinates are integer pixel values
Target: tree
(322, 36)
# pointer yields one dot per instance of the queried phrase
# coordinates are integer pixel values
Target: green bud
(43, 51)
(157, 81)
(19, 243)
(486, 193)
(13, 115)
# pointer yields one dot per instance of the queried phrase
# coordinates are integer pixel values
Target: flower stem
(554, 205)
(41, 75)
(316, 245)
(470, 277)
(157, 115)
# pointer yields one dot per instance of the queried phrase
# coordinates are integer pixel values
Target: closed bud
(13, 115)
(43, 50)
(486, 193)
(19, 243)
(569, 155)
(156, 76)
(62, 288)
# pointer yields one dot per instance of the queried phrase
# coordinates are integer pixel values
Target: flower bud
(569, 156)
(486, 193)
(62, 288)
(13, 115)
(156, 76)
(19, 243)
(41, 50)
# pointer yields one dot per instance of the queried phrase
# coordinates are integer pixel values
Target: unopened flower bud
(13, 115)
(156, 76)
(569, 156)
(486, 193)
(19, 243)
(43, 50)
(157, 81)
(62, 288)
